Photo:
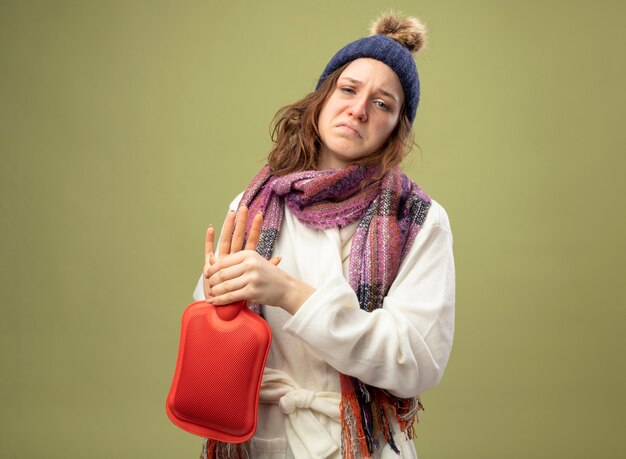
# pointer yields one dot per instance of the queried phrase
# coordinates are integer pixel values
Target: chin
(349, 158)
(344, 152)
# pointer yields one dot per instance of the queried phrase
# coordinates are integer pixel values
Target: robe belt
(306, 436)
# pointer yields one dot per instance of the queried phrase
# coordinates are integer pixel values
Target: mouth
(350, 129)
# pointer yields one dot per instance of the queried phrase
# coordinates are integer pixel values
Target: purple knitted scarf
(391, 212)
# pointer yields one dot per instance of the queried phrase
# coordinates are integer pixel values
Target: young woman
(360, 292)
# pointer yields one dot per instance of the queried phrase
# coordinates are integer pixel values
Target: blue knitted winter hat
(392, 42)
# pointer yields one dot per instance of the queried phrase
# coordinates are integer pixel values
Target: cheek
(324, 113)
(322, 123)
(322, 116)
(326, 116)
(385, 130)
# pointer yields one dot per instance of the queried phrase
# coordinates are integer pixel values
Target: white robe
(402, 347)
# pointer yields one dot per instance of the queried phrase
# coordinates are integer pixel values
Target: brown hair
(297, 140)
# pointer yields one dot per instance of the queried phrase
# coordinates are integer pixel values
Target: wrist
(297, 293)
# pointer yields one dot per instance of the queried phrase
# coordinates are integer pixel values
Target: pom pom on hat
(393, 41)
(408, 31)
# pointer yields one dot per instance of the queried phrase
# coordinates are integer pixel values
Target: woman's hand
(246, 275)
(233, 236)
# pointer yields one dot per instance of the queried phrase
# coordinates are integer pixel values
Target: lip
(350, 128)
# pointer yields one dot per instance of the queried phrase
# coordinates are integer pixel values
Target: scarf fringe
(213, 449)
(365, 412)
(354, 440)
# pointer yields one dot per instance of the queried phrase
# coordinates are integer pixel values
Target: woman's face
(359, 114)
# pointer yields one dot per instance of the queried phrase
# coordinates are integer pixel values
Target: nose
(358, 109)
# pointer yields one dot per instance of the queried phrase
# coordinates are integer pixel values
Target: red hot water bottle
(221, 357)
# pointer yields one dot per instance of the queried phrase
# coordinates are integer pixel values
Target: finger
(226, 261)
(227, 298)
(209, 240)
(207, 288)
(240, 230)
(227, 233)
(255, 232)
(276, 260)
(230, 297)
(229, 285)
(226, 274)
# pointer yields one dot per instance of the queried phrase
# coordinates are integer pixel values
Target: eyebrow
(382, 91)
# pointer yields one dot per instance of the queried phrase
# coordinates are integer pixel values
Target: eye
(347, 90)
(382, 105)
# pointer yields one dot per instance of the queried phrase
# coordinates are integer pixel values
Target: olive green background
(127, 126)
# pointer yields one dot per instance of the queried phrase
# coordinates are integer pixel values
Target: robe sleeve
(404, 346)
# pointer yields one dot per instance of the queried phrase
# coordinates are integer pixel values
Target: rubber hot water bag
(221, 357)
